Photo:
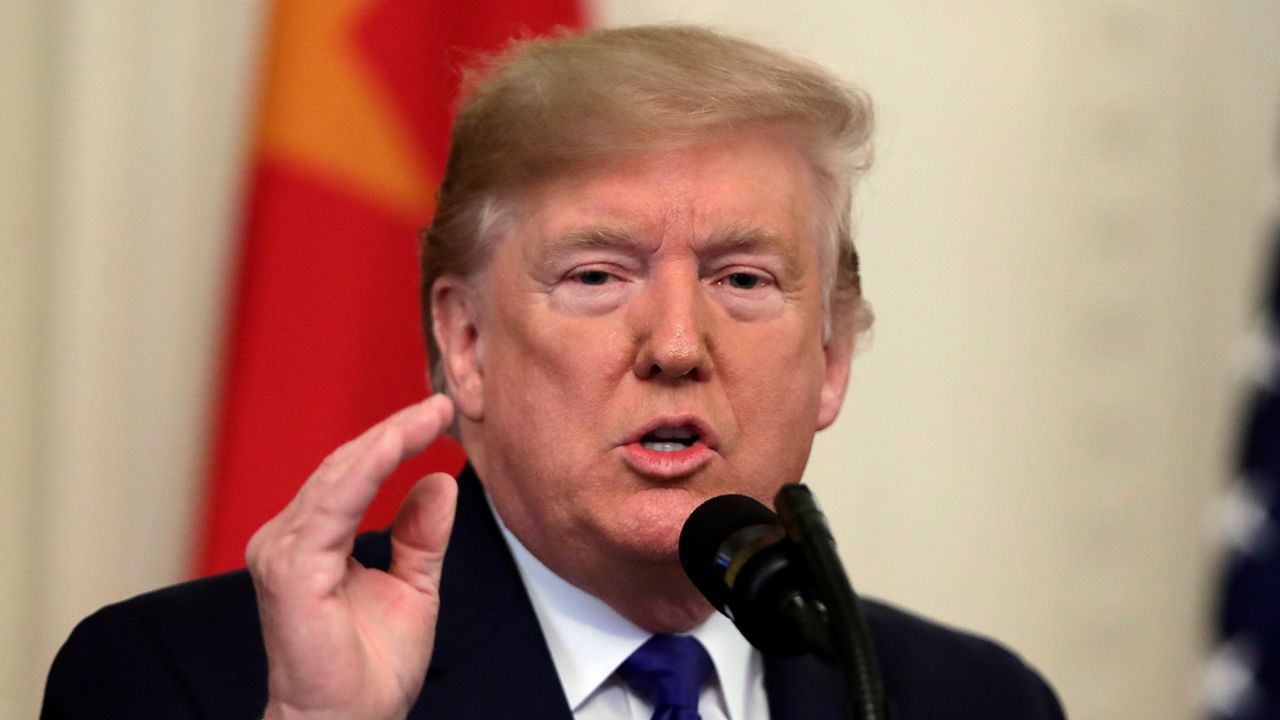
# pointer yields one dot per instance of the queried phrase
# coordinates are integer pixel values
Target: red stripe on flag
(324, 343)
(324, 336)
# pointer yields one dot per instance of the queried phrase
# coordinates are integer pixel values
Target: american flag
(1243, 680)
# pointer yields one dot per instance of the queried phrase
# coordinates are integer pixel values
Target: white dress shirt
(589, 640)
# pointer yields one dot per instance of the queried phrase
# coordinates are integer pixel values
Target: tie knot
(669, 670)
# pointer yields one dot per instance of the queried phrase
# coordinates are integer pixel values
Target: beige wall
(121, 145)
(1060, 239)
(22, 79)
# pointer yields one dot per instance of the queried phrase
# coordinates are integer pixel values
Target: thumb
(420, 533)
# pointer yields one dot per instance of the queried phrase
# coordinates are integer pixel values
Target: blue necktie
(668, 671)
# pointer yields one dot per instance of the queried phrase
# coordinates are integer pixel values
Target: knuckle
(272, 564)
(330, 466)
(254, 549)
(267, 556)
(389, 443)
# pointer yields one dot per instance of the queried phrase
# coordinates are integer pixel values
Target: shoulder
(184, 651)
(932, 670)
(168, 653)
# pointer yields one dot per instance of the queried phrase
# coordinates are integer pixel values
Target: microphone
(781, 582)
(736, 553)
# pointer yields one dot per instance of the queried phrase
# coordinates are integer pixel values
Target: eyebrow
(591, 237)
(594, 236)
(742, 237)
(752, 238)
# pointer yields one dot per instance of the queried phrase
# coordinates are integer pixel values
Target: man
(642, 293)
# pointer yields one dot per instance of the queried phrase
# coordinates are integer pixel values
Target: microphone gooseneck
(782, 583)
(807, 530)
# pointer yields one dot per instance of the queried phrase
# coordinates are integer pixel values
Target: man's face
(646, 336)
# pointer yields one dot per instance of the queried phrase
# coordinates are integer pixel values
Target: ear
(454, 320)
(838, 354)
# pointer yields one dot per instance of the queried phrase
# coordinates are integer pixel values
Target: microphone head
(706, 531)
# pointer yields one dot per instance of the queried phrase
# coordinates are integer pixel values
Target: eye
(592, 277)
(743, 280)
(749, 291)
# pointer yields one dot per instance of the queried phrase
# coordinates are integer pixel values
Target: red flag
(324, 336)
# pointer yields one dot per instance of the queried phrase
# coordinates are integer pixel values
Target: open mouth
(669, 439)
(671, 447)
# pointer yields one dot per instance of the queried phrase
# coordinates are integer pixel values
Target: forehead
(748, 189)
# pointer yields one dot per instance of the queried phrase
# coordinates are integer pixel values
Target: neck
(668, 604)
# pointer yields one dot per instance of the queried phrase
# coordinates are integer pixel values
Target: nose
(672, 325)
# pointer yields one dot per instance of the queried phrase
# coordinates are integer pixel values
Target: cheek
(556, 370)
(778, 453)
(776, 374)
(776, 399)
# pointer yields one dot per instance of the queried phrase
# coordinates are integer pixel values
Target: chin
(650, 533)
(649, 546)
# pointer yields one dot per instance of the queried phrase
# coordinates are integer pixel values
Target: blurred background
(1064, 238)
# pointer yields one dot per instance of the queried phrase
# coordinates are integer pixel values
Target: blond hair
(543, 107)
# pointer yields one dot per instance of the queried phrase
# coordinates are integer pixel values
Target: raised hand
(342, 640)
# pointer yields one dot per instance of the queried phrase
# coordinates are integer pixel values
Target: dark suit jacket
(195, 651)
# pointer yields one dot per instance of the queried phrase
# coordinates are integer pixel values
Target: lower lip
(666, 465)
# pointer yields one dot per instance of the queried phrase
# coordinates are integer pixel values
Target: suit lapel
(804, 688)
(490, 660)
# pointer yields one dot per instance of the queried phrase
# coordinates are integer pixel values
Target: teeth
(669, 439)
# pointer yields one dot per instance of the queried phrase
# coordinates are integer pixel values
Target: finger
(339, 460)
(332, 503)
(420, 533)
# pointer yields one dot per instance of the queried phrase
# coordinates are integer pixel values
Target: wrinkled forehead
(748, 189)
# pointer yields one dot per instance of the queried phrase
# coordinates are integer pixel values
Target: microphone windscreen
(706, 530)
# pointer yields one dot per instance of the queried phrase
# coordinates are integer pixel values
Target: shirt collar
(588, 639)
